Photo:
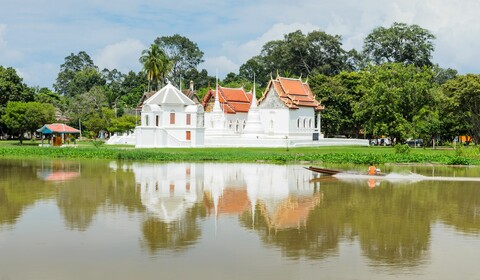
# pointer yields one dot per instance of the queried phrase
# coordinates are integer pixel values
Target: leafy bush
(458, 161)
(459, 151)
(402, 149)
(98, 143)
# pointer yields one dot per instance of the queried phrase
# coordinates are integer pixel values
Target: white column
(319, 124)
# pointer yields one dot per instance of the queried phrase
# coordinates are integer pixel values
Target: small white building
(288, 108)
(170, 119)
(234, 103)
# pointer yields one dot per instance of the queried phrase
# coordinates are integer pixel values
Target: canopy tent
(58, 131)
(58, 128)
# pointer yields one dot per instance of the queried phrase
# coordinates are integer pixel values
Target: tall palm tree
(155, 64)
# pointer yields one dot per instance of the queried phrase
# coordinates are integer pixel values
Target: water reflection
(283, 193)
(284, 206)
(59, 171)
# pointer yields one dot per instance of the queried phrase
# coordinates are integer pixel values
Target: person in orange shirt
(372, 170)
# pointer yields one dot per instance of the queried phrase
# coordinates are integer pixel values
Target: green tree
(45, 95)
(427, 124)
(393, 94)
(87, 104)
(12, 87)
(133, 86)
(402, 43)
(464, 95)
(202, 81)
(302, 54)
(21, 117)
(67, 84)
(183, 53)
(442, 75)
(338, 94)
(122, 124)
(155, 65)
(255, 66)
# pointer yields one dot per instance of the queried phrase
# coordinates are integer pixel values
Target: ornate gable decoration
(292, 92)
(271, 101)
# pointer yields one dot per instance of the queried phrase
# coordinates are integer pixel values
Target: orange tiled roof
(232, 100)
(293, 92)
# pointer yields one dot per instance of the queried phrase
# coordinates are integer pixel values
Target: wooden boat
(325, 171)
(328, 171)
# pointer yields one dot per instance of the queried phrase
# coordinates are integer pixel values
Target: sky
(37, 35)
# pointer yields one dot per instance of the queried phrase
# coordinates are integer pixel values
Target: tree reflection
(80, 200)
(460, 206)
(177, 235)
(296, 226)
(393, 224)
(19, 188)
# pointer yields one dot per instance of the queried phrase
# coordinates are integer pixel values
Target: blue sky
(37, 35)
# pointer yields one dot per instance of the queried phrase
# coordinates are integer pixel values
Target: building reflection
(59, 171)
(282, 193)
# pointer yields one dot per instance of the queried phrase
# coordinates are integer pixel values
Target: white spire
(216, 105)
(254, 97)
(253, 127)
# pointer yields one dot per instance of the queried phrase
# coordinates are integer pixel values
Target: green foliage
(427, 124)
(78, 74)
(87, 104)
(21, 117)
(338, 94)
(156, 66)
(317, 52)
(183, 54)
(402, 43)
(98, 143)
(402, 149)
(463, 95)
(354, 155)
(12, 87)
(122, 124)
(392, 94)
(45, 95)
(458, 160)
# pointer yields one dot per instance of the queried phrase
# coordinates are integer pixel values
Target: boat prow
(325, 171)
(328, 171)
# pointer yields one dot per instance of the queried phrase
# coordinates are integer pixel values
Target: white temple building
(170, 119)
(287, 115)
(230, 104)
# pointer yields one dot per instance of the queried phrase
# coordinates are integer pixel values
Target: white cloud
(240, 53)
(228, 32)
(7, 55)
(220, 63)
(39, 74)
(3, 42)
(122, 56)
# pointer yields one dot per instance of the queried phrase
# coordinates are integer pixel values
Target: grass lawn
(343, 154)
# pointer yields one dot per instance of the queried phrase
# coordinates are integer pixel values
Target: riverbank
(344, 154)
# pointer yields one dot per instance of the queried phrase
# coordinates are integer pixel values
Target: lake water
(112, 220)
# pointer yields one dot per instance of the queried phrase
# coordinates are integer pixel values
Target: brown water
(97, 220)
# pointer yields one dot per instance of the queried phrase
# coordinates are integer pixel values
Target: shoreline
(307, 155)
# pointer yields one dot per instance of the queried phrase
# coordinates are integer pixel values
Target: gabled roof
(58, 128)
(293, 92)
(192, 94)
(232, 100)
(169, 95)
